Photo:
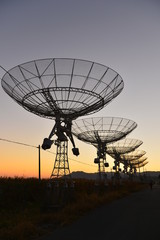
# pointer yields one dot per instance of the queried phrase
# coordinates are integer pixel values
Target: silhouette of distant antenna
(121, 147)
(100, 131)
(137, 164)
(62, 89)
(127, 158)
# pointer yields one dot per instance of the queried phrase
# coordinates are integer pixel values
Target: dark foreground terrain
(136, 216)
(30, 209)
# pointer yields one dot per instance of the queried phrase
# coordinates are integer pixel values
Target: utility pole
(39, 163)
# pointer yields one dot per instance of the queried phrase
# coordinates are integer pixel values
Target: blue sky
(121, 34)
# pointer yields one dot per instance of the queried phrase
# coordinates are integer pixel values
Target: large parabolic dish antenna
(103, 129)
(125, 145)
(62, 89)
(100, 131)
(136, 154)
(138, 161)
(68, 87)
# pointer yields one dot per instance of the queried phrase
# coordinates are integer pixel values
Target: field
(30, 208)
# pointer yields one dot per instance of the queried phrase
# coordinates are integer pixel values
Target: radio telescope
(62, 89)
(130, 157)
(100, 131)
(138, 163)
(121, 147)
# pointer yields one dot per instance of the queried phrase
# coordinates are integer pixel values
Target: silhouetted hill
(153, 173)
(84, 175)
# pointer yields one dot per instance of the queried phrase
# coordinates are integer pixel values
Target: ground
(133, 217)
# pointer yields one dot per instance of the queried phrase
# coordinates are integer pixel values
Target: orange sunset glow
(124, 38)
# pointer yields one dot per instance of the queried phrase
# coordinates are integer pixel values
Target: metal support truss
(101, 160)
(116, 166)
(101, 169)
(61, 165)
(117, 169)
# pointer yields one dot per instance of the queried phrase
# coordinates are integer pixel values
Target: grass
(29, 209)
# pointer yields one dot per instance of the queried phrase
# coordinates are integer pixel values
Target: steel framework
(137, 164)
(61, 164)
(62, 89)
(128, 158)
(100, 132)
(122, 147)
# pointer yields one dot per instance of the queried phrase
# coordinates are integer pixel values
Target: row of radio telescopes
(65, 89)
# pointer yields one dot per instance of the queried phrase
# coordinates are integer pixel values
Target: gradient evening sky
(122, 34)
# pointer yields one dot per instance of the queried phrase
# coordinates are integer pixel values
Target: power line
(28, 145)
(75, 160)
(25, 144)
(82, 162)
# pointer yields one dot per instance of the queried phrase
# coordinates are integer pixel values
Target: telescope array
(100, 132)
(64, 89)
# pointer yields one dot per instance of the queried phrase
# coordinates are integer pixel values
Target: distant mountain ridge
(84, 175)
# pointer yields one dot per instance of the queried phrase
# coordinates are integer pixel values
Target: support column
(61, 165)
(39, 163)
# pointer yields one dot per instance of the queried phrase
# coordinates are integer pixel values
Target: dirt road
(134, 217)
